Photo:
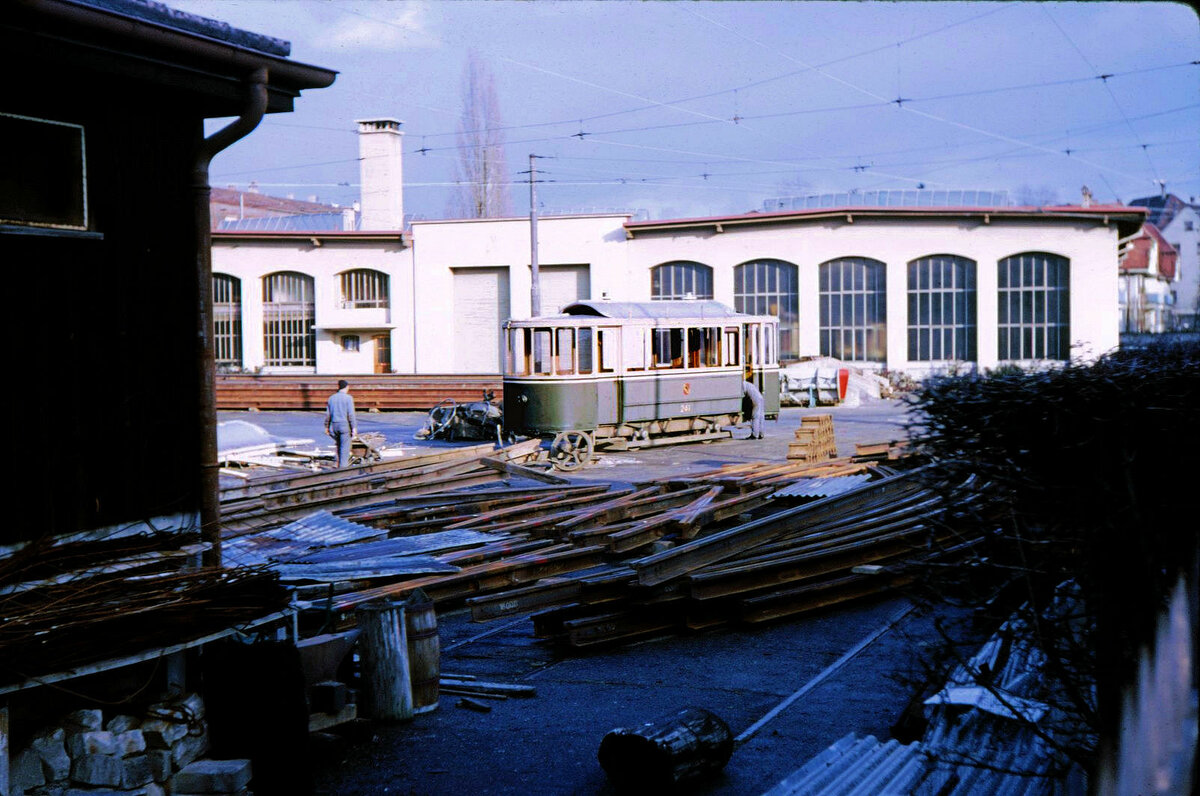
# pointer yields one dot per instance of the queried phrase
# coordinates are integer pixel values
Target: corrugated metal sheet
(822, 487)
(325, 547)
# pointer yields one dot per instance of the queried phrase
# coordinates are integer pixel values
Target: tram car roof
(651, 311)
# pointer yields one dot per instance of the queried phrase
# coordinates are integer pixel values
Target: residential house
(1148, 268)
(1179, 223)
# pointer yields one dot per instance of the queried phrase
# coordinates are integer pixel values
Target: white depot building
(913, 289)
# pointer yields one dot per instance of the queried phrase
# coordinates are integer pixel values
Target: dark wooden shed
(104, 243)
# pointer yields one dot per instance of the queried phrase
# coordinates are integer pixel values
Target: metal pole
(535, 286)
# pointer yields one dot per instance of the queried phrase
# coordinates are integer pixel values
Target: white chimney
(381, 176)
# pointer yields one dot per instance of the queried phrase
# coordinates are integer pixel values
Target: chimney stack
(381, 176)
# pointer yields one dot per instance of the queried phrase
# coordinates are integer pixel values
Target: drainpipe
(252, 112)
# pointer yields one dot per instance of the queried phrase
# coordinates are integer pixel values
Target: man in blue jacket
(340, 422)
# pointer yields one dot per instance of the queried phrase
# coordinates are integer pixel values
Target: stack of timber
(375, 392)
(275, 500)
(597, 563)
(814, 439)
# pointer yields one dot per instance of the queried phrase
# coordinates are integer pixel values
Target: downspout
(252, 112)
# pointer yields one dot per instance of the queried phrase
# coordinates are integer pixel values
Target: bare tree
(481, 171)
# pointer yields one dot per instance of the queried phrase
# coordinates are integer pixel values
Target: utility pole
(535, 284)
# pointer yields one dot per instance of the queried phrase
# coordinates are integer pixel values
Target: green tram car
(621, 375)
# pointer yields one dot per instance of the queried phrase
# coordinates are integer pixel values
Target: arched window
(289, 312)
(770, 287)
(227, 321)
(682, 279)
(941, 309)
(854, 309)
(1034, 307)
(364, 288)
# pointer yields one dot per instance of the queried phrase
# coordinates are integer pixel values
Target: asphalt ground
(787, 690)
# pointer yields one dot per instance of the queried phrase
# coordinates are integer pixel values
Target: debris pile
(596, 563)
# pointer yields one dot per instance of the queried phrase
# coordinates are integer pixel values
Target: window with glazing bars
(770, 287)
(227, 320)
(363, 288)
(1034, 307)
(853, 304)
(289, 312)
(941, 309)
(681, 280)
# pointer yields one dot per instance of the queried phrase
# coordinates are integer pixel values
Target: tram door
(761, 361)
(610, 389)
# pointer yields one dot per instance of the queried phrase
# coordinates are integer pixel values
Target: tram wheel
(571, 450)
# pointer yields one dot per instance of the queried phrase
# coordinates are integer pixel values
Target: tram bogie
(623, 375)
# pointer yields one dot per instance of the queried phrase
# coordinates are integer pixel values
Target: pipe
(252, 112)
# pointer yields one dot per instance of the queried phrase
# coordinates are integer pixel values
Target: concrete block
(329, 696)
(94, 742)
(51, 748)
(25, 771)
(162, 765)
(82, 720)
(212, 776)
(129, 743)
(162, 734)
(96, 770)
(122, 723)
(188, 749)
(136, 771)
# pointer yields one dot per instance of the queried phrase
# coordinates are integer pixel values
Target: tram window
(695, 347)
(606, 344)
(732, 353)
(541, 348)
(768, 344)
(635, 348)
(518, 352)
(712, 347)
(585, 349)
(668, 348)
(565, 352)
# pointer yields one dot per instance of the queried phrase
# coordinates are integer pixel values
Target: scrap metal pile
(599, 563)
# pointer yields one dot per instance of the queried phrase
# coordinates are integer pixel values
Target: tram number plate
(685, 408)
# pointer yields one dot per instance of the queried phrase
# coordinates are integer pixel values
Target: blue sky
(705, 108)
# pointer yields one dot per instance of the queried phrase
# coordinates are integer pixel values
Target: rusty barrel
(661, 755)
(424, 651)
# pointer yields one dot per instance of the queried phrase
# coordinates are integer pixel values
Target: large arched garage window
(1034, 307)
(941, 309)
(289, 312)
(769, 287)
(227, 321)
(854, 309)
(682, 279)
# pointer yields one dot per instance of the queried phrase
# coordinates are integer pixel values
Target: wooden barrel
(659, 755)
(424, 651)
(386, 691)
